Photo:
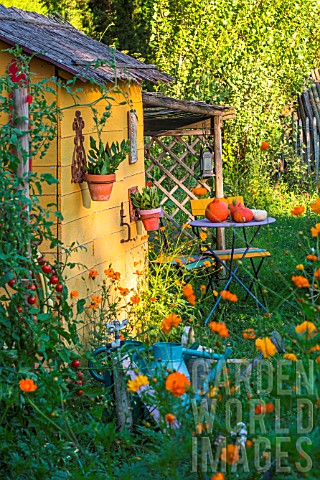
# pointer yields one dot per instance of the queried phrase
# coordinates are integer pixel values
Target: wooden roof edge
(155, 100)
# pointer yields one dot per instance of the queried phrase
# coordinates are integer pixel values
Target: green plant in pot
(103, 161)
(147, 202)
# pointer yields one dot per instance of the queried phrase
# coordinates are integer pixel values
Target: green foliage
(147, 199)
(255, 56)
(106, 160)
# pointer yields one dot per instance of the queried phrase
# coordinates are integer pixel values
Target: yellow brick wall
(94, 225)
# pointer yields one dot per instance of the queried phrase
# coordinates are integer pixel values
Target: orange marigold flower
(249, 334)
(172, 320)
(266, 347)
(123, 291)
(138, 272)
(203, 288)
(27, 385)
(170, 418)
(109, 272)
(300, 282)
(188, 290)
(96, 299)
(153, 299)
(219, 328)
(203, 236)
(186, 225)
(297, 211)
(207, 263)
(215, 293)
(93, 274)
(137, 383)
(316, 348)
(308, 327)
(93, 306)
(317, 274)
(290, 356)
(177, 383)
(218, 476)
(261, 408)
(230, 454)
(231, 297)
(315, 230)
(74, 294)
(312, 258)
(300, 267)
(264, 146)
(116, 275)
(192, 299)
(315, 206)
(135, 299)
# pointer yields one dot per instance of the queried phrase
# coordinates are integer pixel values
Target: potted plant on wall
(103, 161)
(147, 203)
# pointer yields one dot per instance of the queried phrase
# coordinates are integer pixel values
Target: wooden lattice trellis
(174, 162)
(178, 129)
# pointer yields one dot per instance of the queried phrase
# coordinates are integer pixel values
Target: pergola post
(217, 125)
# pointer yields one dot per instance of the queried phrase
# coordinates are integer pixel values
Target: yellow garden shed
(61, 51)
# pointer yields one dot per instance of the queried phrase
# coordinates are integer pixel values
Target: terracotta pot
(100, 186)
(150, 218)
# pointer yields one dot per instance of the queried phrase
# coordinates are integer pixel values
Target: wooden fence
(306, 126)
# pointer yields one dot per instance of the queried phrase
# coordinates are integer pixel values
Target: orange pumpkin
(242, 214)
(199, 191)
(217, 211)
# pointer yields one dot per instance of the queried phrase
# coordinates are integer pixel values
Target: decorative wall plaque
(133, 130)
(79, 154)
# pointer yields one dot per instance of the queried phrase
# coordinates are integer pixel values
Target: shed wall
(94, 225)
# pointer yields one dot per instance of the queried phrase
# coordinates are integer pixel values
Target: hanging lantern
(206, 162)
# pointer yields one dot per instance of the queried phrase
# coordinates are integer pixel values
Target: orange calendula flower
(171, 321)
(261, 408)
(188, 290)
(308, 327)
(230, 454)
(137, 383)
(315, 206)
(312, 258)
(316, 348)
(219, 328)
(177, 383)
(300, 282)
(315, 230)
(135, 299)
(27, 385)
(170, 418)
(300, 267)
(93, 274)
(249, 334)
(207, 263)
(203, 236)
(123, 291)
(96, 299)
(109, 272)
(230, 297)
(297, 211)
(290, 356)
(317, 274)
(153, 299)
(218, 476)
(74, 294)
(266, 347)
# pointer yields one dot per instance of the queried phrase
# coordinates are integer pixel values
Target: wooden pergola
(176, 131)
